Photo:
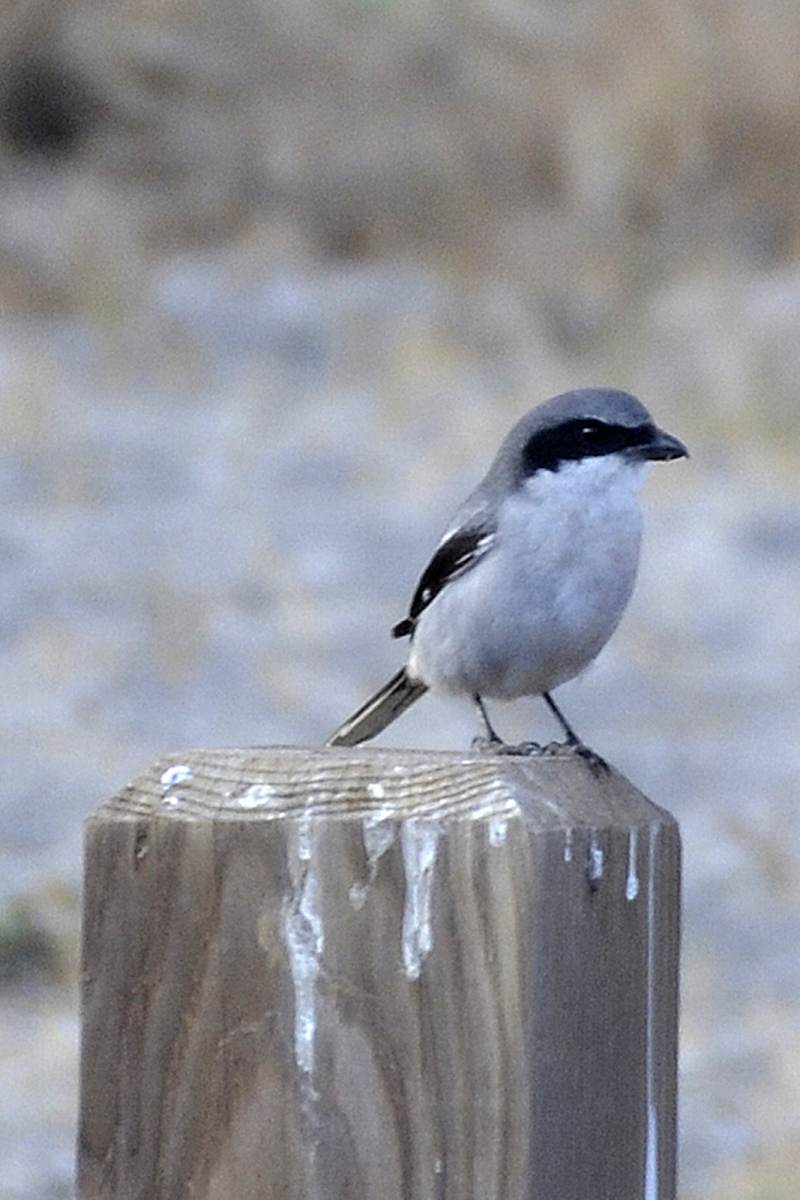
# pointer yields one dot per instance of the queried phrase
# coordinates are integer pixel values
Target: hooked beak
(662, 447)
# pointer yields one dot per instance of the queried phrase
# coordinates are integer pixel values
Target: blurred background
(275, 278)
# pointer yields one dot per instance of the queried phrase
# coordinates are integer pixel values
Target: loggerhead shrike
(532, 577)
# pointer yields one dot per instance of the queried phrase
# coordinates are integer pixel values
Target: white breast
(545, 600)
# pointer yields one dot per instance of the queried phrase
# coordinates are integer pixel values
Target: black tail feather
(379, 711)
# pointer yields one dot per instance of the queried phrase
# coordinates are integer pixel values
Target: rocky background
(275, 276)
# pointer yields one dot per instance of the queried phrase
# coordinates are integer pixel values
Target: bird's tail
(378, 712)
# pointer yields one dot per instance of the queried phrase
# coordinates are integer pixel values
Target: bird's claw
(529, 749)
(489, 746)
(597, 764)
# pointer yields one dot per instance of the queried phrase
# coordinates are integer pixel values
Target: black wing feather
(456, 555)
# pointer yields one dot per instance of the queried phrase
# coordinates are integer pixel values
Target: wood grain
(319, 973)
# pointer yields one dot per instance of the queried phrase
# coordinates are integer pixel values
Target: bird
(533, 574)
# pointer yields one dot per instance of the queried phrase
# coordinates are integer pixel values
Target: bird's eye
(594, 431)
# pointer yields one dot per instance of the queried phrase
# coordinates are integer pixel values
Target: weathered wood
(379, 975)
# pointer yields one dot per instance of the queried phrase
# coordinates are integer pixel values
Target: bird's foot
(598, 765)
(567, 749)
(529, 749)
(489, 746)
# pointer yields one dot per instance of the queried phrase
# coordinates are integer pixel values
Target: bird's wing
(458, 552)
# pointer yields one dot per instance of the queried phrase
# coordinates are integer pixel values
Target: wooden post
(360, 974)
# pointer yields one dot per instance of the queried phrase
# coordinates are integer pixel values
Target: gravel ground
(210, 515)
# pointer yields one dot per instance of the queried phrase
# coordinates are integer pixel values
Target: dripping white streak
(498, 829)
(596, 860)
(302, 926)
(377, 830)
(378, 833)
(180, 773)
(651, 1156)
(258, 795)
(651, 1160)
(632, 881)
(305, 837)
(419, 840)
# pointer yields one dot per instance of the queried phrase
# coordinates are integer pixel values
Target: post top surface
(271, 782)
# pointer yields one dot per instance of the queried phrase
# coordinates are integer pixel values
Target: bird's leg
(492, 738)
(573, 742)
(494, 742)
(572, 737)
